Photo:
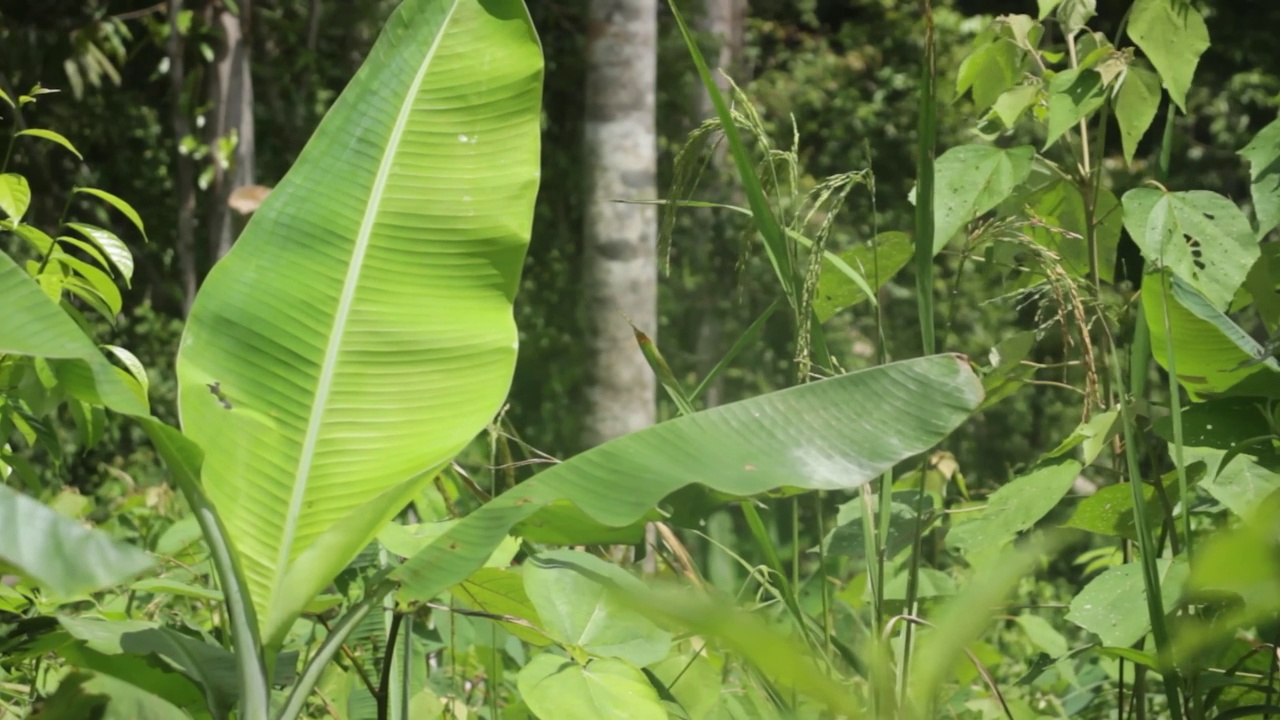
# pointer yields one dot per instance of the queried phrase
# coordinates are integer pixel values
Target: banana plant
(360, 334)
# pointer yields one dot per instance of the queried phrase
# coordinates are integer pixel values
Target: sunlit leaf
(815, 436)
(1263, 154)
(52, 137)
(1214, 356)
(877, 262)
(972, 179)
(1201, 236)
(1073, 96)
(1015, 507)
(15, 195)
(119, 204)
(989, 71)
(322, 390)
(558, 688)
(1173, 35)
(1137, 101)
(111, 245)
(574, 594)
(1113, 605)
(39, 328)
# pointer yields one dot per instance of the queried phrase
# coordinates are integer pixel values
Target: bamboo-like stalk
(925, 151)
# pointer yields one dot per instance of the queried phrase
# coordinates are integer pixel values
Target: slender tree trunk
(620, 253)
(186, 187)
(231, 95)
(725, 21)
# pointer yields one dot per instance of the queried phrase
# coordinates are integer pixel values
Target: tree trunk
(185, 243)
(620, 240)
(725, 21)
(231, 97)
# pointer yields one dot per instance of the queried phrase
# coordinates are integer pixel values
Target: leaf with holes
(1201, 236)
(360, 332)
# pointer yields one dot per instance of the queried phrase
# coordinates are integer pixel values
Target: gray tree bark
(620, 240)
(231, 95)
(725, 21)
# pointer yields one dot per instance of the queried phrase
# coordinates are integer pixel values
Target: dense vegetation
(965, 346)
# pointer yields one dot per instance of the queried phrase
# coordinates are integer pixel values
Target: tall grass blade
(925, 151)
(771, 232)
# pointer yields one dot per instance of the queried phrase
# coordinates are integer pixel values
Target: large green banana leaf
(360, 332)
(834, 434)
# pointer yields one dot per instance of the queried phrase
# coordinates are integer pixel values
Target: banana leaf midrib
(336, 336)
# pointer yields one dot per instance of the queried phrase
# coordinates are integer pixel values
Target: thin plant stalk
(1147, 550)
(924, 226)
(926, 149)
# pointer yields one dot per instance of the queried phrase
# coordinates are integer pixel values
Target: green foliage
(876, 572)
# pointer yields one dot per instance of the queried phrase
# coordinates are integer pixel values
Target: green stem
(926, 148)
(1147, 549)
(328, 650)
(388, 663)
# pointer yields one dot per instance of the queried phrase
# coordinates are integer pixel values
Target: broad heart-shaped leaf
(1113, 605)
(972, 179)
(1263, 154)
(1213, 355)
(573, 594)
(1110, 510)
(556, 688)
(1137, 100)
(1238, 481)
(501, 592)
(1015, 507)
(360, 332)
(814, 436)
(35, 326)
(878, 262)
(59, 553)
(1201, 236)
(692, 680)
(1173, 36)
